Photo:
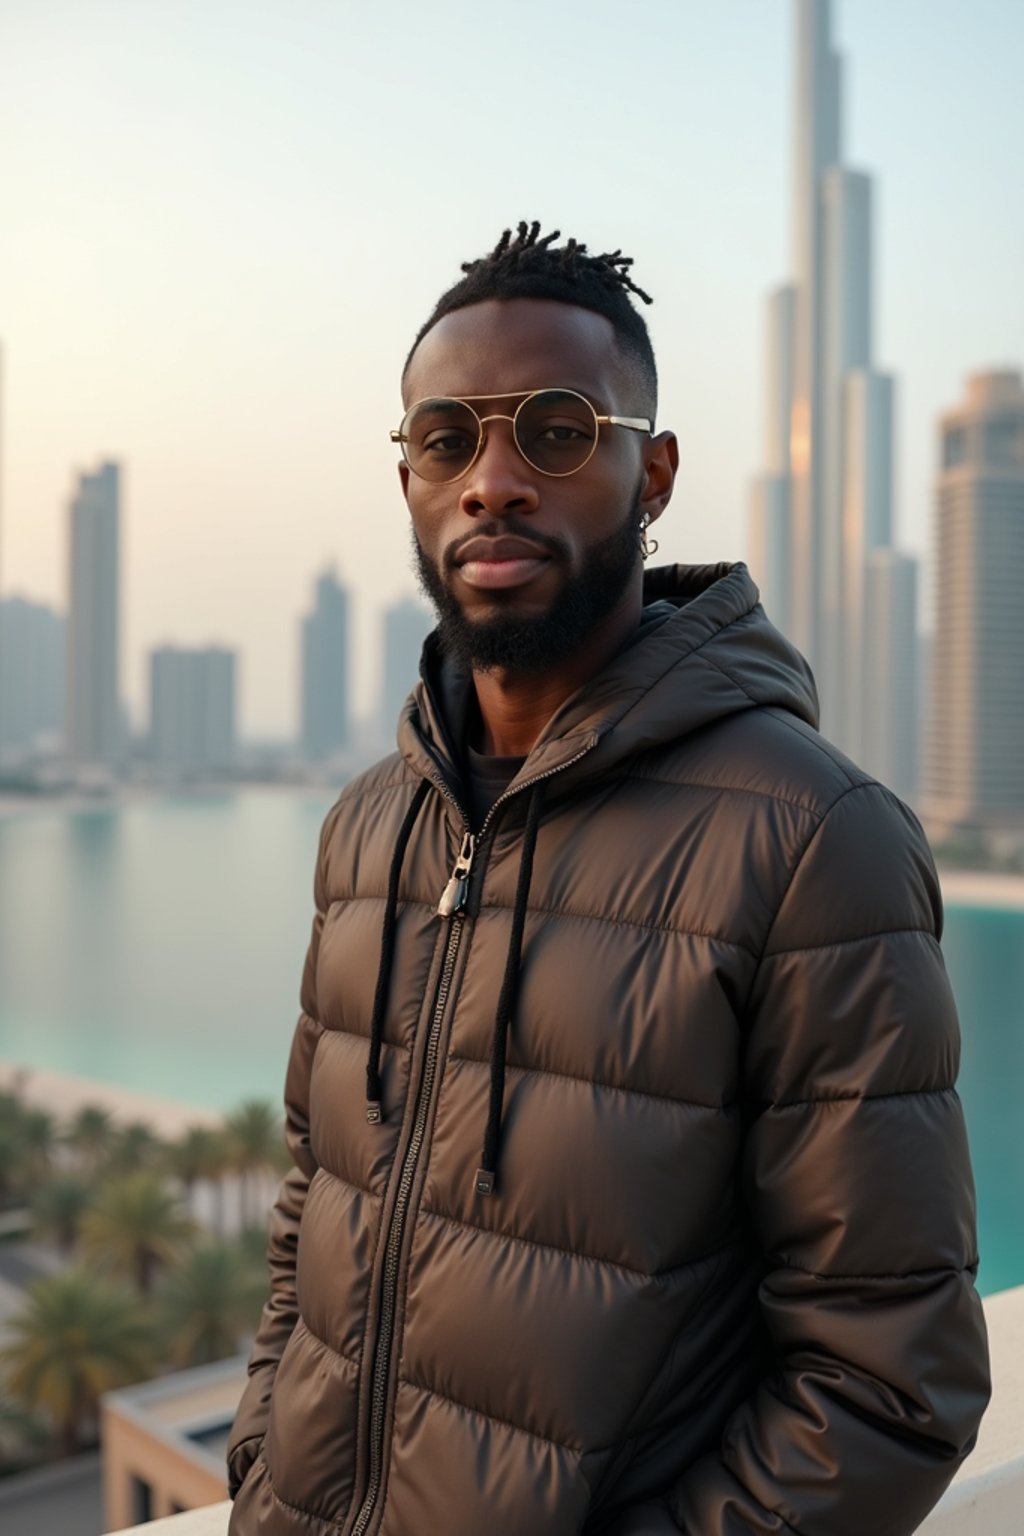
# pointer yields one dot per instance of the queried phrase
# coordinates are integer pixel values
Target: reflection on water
(159, 945)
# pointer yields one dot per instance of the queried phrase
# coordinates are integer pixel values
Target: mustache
(510, 527)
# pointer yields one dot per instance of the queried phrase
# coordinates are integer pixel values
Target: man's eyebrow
(520, 394)
(436, 402)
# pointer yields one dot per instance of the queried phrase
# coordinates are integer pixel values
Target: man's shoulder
(388, 773)
(364, 793)
(766, 753)
(862, 856)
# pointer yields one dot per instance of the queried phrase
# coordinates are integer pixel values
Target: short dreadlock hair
(530, 266)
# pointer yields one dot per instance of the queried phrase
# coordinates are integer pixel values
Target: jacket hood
(705, 649)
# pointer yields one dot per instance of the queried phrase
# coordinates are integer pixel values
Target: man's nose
(500, 479)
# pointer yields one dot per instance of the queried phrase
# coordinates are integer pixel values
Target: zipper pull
(453, 897)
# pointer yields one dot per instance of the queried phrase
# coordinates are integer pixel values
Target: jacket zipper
(451, 907)
(389, 1296)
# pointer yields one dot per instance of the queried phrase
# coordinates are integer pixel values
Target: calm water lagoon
(158, 943)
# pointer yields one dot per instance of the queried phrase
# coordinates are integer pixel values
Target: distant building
(769, 554)
(32, 658)
(93, 722)
(878, 599)
(823, 502)
(406, 625)
(891, 670)
(165, 1443)
(975, 739)
(325, 725)
(193, 709)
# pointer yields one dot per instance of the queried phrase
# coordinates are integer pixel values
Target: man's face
(524, 568)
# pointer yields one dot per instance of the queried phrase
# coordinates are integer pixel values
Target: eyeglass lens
(555, 431)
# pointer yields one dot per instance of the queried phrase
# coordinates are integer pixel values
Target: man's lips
(503, 562)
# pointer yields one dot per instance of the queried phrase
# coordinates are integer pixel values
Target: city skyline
(823, 523)
(244, 369)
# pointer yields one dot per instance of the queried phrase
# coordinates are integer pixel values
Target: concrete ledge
(985, 1499)
(211, 1521)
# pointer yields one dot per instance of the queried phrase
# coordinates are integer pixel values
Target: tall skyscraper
(2, 526)
(93, 724)
(891, 671)
(32, 646)
(824, 500)
(192, 708)
(406, 625)
(975, 739)
(324, 727)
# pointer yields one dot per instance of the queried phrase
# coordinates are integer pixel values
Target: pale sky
(222, 221)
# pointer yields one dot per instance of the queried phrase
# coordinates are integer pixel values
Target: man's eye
(444, 443)
(561, 432)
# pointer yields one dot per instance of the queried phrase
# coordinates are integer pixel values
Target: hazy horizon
(221, 226)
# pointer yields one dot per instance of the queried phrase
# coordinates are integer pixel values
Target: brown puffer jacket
(665, 1218)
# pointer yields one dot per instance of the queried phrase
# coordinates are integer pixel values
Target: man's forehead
(500, 346)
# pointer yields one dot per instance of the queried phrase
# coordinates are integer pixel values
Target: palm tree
(254, 1134)
(39, 1135)
(12, 1150)
(219, 1162)
(58, 1204)
(133, 1147)
(77, 1337)
(134, 1225)
(208, 1301)
(27, 1141)
(191, 1157)
(91, 1134)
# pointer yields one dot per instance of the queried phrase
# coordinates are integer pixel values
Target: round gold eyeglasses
(555, 430)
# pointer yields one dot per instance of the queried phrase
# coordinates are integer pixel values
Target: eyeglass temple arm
(635, 423)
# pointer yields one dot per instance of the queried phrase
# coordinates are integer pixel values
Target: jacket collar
(704, 650)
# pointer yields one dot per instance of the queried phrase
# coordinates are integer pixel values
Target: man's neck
(514, 708)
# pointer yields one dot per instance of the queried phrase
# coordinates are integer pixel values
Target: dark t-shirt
(488, 778)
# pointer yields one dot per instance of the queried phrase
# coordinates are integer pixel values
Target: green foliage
(208, 1301)
(91, 1134)
(57, 1206)
(133, 1147)
(134, 1225)
(254, 1133)
(201, 1153)
(112, 1193)
(28, 1140)
(254, 1136)
(77, 1337)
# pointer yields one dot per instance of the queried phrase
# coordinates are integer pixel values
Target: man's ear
(403, 475)
(661, 461)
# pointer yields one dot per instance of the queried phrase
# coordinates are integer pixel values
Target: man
(631, 1191)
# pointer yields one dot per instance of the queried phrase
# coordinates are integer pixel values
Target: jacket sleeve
(281, 1310)
(857, 1176)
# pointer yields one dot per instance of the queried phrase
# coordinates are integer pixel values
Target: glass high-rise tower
(93, 732)
(975, 736)
(324, 727)
(824, 501)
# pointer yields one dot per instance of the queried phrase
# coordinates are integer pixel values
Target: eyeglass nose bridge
(481, 422)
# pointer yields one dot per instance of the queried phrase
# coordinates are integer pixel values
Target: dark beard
(533, 646)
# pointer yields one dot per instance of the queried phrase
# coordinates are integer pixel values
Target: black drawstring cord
(487, 1173)
(387, 945)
